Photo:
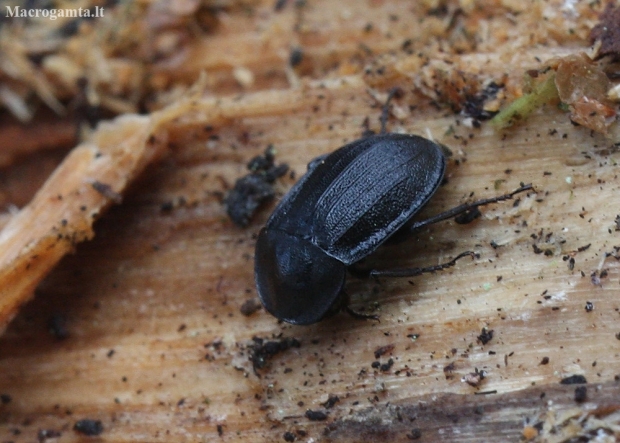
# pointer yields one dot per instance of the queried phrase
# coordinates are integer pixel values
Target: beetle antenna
(385, 111)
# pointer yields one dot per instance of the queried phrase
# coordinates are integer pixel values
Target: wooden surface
(158, 350)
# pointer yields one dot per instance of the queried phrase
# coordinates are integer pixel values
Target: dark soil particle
(486, 335)
(315, 415)
(383, 350)
(387, 366)
(296, 57)
(474, 105)
(250, 306)
(574, 380)
(332, 399)
(584, 248)
(581, 394)
(263, 350)
(88, 426)
(449, 371)
(254, 189)
(415, 434)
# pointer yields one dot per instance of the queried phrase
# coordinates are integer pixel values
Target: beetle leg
(467, 208)
(412, 272)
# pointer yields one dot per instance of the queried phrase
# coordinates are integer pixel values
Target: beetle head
(296, 280)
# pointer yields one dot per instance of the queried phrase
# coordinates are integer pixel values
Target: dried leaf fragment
(583, 86)
(579, 83)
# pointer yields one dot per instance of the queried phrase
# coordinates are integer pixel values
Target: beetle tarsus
(412, 272)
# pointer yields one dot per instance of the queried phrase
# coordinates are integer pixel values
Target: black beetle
(346, 205)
